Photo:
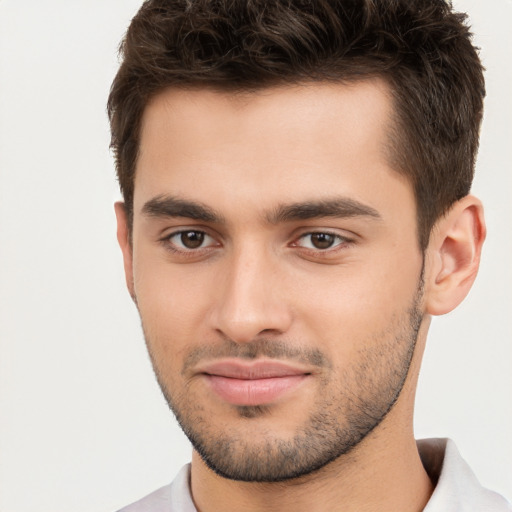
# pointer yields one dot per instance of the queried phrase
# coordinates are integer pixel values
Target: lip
(254, 383)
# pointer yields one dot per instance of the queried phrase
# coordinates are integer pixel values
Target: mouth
(255, 383)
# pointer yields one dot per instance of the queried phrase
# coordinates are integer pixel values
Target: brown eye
(322, 240)
(192, 239)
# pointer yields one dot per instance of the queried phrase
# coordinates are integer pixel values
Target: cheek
(172, 305)
(354, 305)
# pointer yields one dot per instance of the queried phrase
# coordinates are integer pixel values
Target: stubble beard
(348, 408)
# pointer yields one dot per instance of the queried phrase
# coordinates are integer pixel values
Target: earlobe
(454, 255)
(124, 240)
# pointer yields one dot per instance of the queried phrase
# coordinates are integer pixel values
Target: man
(296, 181)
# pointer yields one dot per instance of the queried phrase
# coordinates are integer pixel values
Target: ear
(453, 255)
(124, 240)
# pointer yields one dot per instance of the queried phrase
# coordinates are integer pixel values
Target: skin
(257, 280)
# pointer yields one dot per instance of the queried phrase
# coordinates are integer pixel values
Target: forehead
(357, 111)
(280, 144)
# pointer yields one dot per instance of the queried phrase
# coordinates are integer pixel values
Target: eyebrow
(170, 206)
(341, 207)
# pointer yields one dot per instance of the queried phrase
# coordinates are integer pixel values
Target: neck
(389, 479)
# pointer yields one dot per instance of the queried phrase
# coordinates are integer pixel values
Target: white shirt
(457, 489)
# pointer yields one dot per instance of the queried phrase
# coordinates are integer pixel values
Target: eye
(190, 239)
(320, 241)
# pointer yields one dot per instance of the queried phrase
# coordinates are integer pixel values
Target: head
(295, 180)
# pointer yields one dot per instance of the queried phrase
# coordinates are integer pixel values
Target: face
(276, 269)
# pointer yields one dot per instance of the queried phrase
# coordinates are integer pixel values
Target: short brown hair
(422, 48)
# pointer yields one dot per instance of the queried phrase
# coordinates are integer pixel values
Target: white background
(83, 426)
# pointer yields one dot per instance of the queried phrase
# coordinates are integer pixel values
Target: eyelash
(340, 243)
(167, 242)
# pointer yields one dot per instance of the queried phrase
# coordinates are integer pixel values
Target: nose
(251, 300)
